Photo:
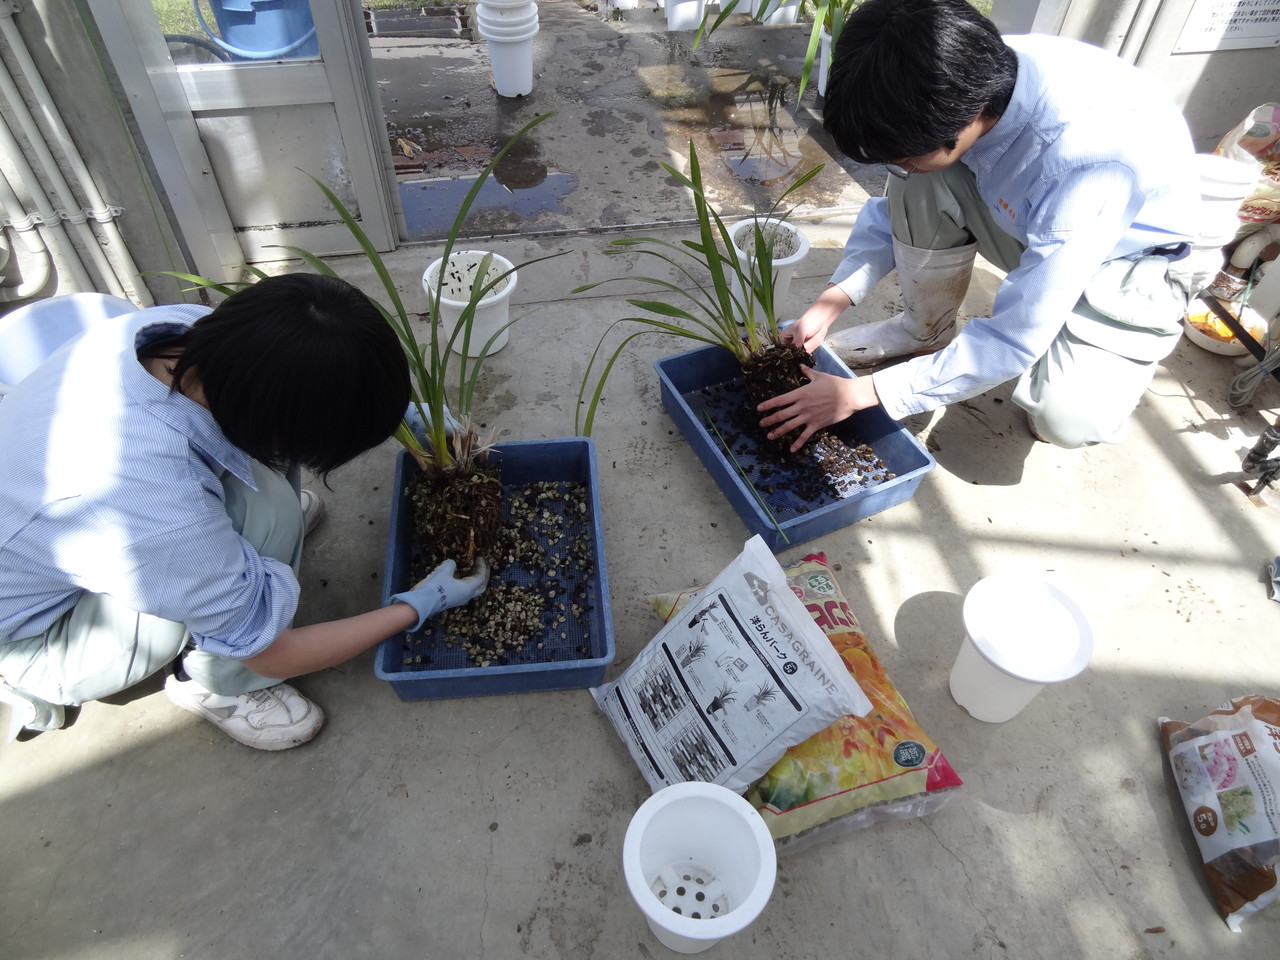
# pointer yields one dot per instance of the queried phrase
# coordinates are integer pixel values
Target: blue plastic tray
(450, 673)
(686, 375)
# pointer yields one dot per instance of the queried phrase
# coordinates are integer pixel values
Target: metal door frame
(165, 100)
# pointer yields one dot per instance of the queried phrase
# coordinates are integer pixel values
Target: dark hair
(298, 369)
(908, 75)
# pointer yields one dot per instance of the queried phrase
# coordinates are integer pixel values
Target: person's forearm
(811, 327)
(823, 312)
(318, 646)
(831, 303)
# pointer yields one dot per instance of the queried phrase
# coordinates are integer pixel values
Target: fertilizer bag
(1227, 766)
(1256, 139)
(725, 688)
(861, 769)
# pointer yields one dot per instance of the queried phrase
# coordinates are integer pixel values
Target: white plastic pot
(509, 27)
(684, 14)
(491, 313)
(1022, 633)
(790, 246)
(700, 864)
(779, 11)
(1226, 178)
(824, 60)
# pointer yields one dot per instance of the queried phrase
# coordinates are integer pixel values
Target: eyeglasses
(900, 171)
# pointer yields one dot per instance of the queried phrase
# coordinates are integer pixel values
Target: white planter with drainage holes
(699, 863)
(491, 313)
(789, 246)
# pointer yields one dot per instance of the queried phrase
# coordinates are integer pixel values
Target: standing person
(1061, 164)
(149, 519)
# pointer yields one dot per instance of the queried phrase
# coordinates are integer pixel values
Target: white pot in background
(684, 14)
(824, 61)
(509, 27)
(699, 863)
(491, 313)
(790, 246)
(779, 11)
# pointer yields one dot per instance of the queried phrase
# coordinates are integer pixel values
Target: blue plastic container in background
(263, 29)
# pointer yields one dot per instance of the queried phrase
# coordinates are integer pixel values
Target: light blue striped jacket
(109, 483)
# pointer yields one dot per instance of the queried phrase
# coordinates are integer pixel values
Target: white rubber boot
(934, 283)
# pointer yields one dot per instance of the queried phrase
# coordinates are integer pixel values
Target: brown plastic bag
(1227, 766)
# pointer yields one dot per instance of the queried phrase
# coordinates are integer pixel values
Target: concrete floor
(493, 827)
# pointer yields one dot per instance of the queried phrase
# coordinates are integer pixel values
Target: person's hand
(441, 589)
(824, 400)
(810, 329)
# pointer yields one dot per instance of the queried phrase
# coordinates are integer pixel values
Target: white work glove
(440, 590)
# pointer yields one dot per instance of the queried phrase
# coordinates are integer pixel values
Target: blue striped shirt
(1091, 162)
(109, 483)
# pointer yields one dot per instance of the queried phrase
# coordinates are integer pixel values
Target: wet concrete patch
(430, 206)
(628, 97)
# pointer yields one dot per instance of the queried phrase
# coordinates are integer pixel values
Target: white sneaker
(312, 510)
(276, 718)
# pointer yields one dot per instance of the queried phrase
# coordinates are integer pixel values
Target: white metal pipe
(49, 220)
(29, 234)
(67, 199)
(78, 167)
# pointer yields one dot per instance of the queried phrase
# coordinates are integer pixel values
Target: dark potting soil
(831, 467)
(541, 597)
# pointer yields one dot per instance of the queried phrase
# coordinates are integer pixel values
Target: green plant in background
(826, 15)
(449, 441)
(740, 317)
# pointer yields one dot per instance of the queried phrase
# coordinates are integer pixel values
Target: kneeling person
(152, 518)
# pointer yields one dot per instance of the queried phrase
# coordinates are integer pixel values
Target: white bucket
(784, 266)
(824, 60)
(684, 14)
(491, 313)
(509, 29)
(1021, 634)
(778, 12)
(699, 863)
(1226, 178)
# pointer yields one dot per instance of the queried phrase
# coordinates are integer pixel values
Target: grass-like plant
(710, 308)
(448, 441)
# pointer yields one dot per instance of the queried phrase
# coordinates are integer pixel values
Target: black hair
(907, 76)
(298, 369)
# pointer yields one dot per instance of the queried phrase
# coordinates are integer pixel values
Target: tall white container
(509, 27)
(699, 863)
(824, 60)
(1022, 633)
(492, 312)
